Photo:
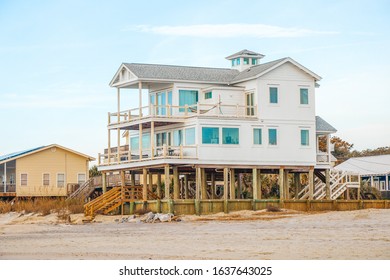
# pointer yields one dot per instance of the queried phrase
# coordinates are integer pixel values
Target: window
(304, 137)
(383, 185)
(304, 96)
(190, 136)
(60, 180)
(81, 178)
(238, 61)
(134, 142)
(230, 136)
(187, 97)
(177, 137)
(246, 61)
(23, 179)
(272, 136)
(208, 95)
(46, 179)
(250, 109)
(273, 95)
(233, 62)
(162, 139)
(161, 103)
(254, 61)
(210, 135)
(257, 140)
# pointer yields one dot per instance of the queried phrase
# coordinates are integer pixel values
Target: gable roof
(324, 126)
(245, 53)
(372, 165)
(223, 76)
(16, 155)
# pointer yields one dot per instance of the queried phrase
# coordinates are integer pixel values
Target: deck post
(204, 184)
(176, 189)
(281, 183)
(5, 177)
(358, 189)
(186, 186)
(132, 178)
(311, 182)
(327, 181)
(259, 194)
(118, 150)
(286, 185)
(198, 181)
(159, 185)
(150, 185)
(256, 188)
(104, 182)
(232, 184)
(140, 141)
(151, 139)
(119, 120)
(122, 190)
(140, 98)
(167, 181)
(144, 184)
(212, 190)
(297, 183)
(239, 185)
(225, 189)
(109, 143)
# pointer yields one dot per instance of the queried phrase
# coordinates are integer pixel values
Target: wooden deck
(7, 194)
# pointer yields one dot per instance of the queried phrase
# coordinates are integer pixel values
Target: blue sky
(57, 58)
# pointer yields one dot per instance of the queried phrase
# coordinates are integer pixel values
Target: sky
(58, 57)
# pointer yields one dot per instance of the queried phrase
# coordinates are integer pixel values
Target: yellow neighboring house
(43, 171)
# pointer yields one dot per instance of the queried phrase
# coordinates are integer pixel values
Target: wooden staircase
(84, 191)
(339, 182)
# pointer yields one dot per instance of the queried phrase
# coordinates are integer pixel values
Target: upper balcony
(166, 114)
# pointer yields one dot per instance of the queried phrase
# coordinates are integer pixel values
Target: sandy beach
(363, 234)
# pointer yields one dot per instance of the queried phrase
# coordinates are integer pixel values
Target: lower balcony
(160, 152)
(323, 158)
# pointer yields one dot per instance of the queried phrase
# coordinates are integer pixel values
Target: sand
(363, 234)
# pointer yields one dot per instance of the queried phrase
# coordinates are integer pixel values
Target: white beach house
(209, 125)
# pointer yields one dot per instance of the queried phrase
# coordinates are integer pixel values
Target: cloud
(228, 31)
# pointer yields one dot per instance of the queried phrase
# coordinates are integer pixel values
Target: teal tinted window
(170, 101)
(177, 137)
(230, 135)
(190, 136)
(145, 141)
(273, 95)
(272, 136)
(305, 137)
(134, 143)
(254, 61)
(210, 135)
(187, 97)
(161, 104)
(304, 96)
(257, 136)
(233, 62)
(246, 61)
(238, 61)
(208, 95)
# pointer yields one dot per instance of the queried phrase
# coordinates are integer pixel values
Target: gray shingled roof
(323, 126)
(255, 70)
(185, 73)
(245, 52)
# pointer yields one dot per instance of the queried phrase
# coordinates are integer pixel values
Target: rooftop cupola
(244, 59)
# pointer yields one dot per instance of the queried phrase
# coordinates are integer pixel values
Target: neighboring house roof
(245, 53)
(224, 76)
(16, 155)
(373, 165)
(323, 126)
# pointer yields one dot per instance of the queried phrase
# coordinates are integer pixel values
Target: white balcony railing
(173, 111)
(160, 152)
(323, 158)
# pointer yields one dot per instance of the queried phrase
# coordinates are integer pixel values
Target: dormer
(244, 59)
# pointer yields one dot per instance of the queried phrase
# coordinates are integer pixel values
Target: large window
(238, 61)
(60, 180)
(304, 96)
(246, 61)
(254, 61)
(304, 137)
(134, 142)
(273, 95)
(272, 136)
(163, 138)
(177, 137)
(46, 179)
(187, 97)
(230, 136)
(250, 110)
(190, 136)
(257, 137)
(210, 135)
(23, 179)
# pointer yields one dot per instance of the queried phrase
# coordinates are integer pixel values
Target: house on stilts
(197, 130)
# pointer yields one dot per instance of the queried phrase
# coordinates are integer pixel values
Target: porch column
(286, 185)
(297, 183)
(152, 139)
(225, 183)
(186, 186)
(118, 151)
(167, 181)
(140, 98)
(122, 190)
(254, 183)
(239, 185)
(281, 183)
(328, 147)
(232, 184)
(5, 177)
(311, 182)
(327, 182)
(198, 181)
(140, 141)
(144, 184)
(159, 185)
(212, 189)
(372, 181)
(109, 142)
(204, 184)
(175, 183)
(132, 178)
(104, 182)
(150, 185)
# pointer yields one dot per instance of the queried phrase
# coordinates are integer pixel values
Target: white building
(210, 124)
